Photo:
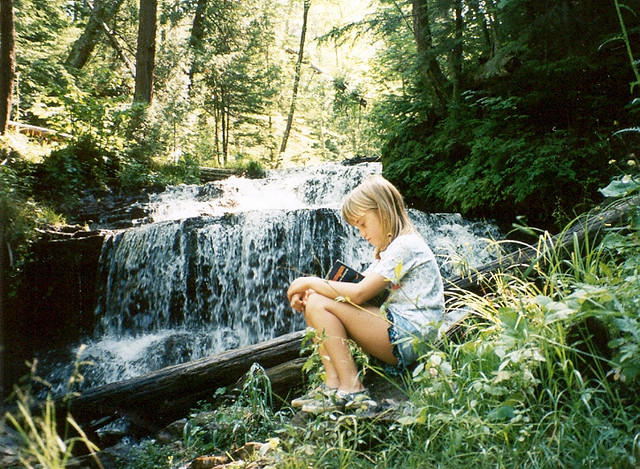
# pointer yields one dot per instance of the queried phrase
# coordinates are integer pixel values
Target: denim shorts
(402, 333)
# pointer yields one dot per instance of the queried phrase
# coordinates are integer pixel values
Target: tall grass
(46, 440)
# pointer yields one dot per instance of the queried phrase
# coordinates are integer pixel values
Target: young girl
(339, 311)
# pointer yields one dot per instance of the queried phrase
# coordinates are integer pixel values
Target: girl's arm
(358, 293)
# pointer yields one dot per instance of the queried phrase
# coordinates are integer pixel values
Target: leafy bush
(71, 170)
(500, 174)
(135, 175)
(20, 215)
(537, 144)
(537, 374)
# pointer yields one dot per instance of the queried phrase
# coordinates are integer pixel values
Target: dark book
(340, 272)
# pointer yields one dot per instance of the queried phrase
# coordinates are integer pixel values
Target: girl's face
(370, 229)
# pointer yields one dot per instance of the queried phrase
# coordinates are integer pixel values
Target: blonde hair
(377, 194)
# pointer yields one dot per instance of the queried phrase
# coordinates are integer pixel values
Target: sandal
(328, 403)
(341, 400)
(359, 401)
(313, 395)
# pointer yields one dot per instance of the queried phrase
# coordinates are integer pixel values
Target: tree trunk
(7, 62)
(223, 127)
(146, 51)
(168, 394)
(100, 14)
(432, 76)
(481, 19)
(4, 270)
(492, 17)
(228, 137)
(195, 39)
(296, 78)
(457, 51)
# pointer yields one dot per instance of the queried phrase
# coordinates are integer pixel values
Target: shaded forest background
(492, 108)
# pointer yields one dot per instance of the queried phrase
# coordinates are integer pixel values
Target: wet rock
(172, 432)
(10, 442)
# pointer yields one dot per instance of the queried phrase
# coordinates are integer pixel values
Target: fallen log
(159, 397)
(591, 226)
(216, 174)
(36, 131)
(162, 396)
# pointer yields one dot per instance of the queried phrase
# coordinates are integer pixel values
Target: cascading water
(209, 270)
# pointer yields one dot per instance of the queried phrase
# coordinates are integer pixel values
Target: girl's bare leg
(337, 322)
(332, 380)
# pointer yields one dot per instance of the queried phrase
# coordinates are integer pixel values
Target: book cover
(340, 272)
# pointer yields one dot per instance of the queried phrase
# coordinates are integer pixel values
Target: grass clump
(45, 439)
(246, 415)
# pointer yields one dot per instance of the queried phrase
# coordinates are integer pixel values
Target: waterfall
(209, 269)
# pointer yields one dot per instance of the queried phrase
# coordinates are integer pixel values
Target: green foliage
(20, 214)
(43, 447)
(524, 360)
(489, 159)
(135, 175)
(68, 171)
(532, 138)
(151, 454)
(42, 442)
(252, 169)
(250, 417)
(247, 415)
(235, 75)
(621, 186)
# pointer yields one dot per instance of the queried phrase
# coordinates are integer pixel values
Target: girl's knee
(316, 304)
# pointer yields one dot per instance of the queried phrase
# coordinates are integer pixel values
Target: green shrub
(68, 171)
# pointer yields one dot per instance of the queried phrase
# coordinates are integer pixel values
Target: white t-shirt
(416, 290)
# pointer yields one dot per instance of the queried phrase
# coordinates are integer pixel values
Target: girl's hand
(298, 292)
(298, 301)
(298, 286)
